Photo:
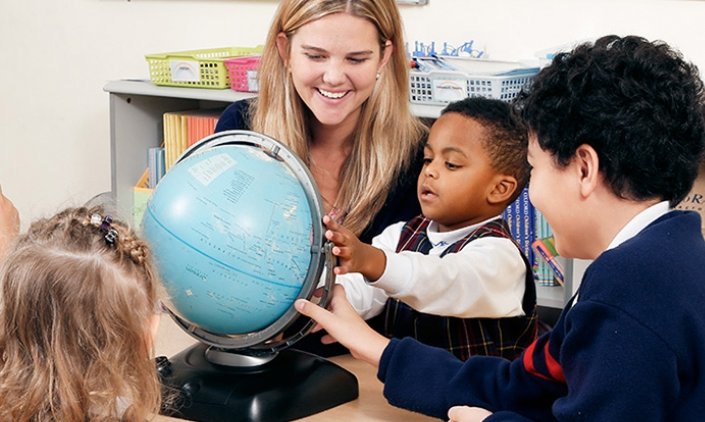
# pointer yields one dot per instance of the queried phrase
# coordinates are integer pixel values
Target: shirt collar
(639, 222)
(439, 239)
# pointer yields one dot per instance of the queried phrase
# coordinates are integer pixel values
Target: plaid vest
(464, 337)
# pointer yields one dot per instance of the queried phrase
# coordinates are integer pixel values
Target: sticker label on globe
(207, 170)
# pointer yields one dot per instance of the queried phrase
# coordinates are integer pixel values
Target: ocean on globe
(230, 229)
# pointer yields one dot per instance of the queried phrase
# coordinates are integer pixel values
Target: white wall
(57, 55)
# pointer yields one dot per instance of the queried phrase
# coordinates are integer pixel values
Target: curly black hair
(639, 104)
(506, 138)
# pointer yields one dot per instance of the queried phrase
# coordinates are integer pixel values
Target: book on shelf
(527, 225)
(550, 258)
(157, 167)
(184, 128)
(520, 217)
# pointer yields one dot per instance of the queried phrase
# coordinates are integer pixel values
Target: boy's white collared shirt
(638, 223)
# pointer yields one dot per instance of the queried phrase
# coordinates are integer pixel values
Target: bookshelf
(136, 113)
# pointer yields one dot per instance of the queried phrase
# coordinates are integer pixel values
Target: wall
(57, 56)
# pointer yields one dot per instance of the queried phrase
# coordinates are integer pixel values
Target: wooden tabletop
(370, 406)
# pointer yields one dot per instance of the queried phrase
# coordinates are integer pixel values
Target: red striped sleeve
(554, 367)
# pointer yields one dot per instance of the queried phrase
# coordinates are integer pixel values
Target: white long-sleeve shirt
(485, 279)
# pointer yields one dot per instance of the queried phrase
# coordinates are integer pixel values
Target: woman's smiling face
(334, 63)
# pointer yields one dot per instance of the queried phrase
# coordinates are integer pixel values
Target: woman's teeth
(334, 95)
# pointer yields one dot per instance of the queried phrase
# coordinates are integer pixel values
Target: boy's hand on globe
(354, 255)
(345, 326)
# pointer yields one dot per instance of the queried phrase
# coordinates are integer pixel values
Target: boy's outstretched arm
(353, 255)
(344, 325)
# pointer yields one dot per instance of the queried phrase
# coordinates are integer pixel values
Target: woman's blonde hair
(74, 324)
(388, 134)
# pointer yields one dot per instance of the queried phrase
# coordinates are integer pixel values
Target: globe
(235, 230)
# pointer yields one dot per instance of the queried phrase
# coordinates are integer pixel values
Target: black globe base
(293, 385)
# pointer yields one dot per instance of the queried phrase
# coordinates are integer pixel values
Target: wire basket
(195, 68)
(243, 73)
(469, 78)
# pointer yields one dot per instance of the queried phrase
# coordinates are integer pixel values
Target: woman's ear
(283, 47)
(386, 55)
(503, 189)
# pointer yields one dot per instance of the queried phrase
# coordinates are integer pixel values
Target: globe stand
(292, 385)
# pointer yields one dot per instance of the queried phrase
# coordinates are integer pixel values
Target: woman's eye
(354, 60)
(451, 166)
(427, 161)
(315, 57)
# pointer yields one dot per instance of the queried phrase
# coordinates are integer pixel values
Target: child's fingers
(330, 223)
(338, 238)
(313, 311)
(342, 252)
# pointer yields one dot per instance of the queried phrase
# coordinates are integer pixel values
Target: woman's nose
(334, 74)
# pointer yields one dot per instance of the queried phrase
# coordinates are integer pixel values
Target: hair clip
(111, 236)
(104, 225)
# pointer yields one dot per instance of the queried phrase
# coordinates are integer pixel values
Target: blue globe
(236, 236)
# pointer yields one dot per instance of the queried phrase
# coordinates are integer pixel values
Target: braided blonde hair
(74, 342)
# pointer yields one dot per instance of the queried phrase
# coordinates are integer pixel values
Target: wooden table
(370, 406)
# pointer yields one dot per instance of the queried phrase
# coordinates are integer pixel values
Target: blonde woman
(334, 88)
(77, 323)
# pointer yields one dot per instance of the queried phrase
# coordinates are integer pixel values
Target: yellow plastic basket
(195, 68)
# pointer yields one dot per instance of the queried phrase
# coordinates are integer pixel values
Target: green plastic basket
(196, 68)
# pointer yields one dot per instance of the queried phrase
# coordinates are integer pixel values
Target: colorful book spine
(546, 249)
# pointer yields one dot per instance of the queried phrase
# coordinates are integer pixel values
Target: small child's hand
(353, 255)
(467, 414)
(345, 326)
(346, 245)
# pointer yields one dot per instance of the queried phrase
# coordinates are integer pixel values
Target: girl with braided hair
(77, 323)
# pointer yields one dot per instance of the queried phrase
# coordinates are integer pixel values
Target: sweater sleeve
(485, 279)
(430, 381)
(586, 351)
(616, 366)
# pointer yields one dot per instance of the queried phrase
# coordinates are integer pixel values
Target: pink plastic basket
(243, 73)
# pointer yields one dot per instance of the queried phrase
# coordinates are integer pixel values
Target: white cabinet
(136, 110)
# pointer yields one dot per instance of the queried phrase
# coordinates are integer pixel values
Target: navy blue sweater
(630, 348)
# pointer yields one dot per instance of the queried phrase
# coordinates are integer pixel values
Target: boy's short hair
(639, 104)
(506, 138)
